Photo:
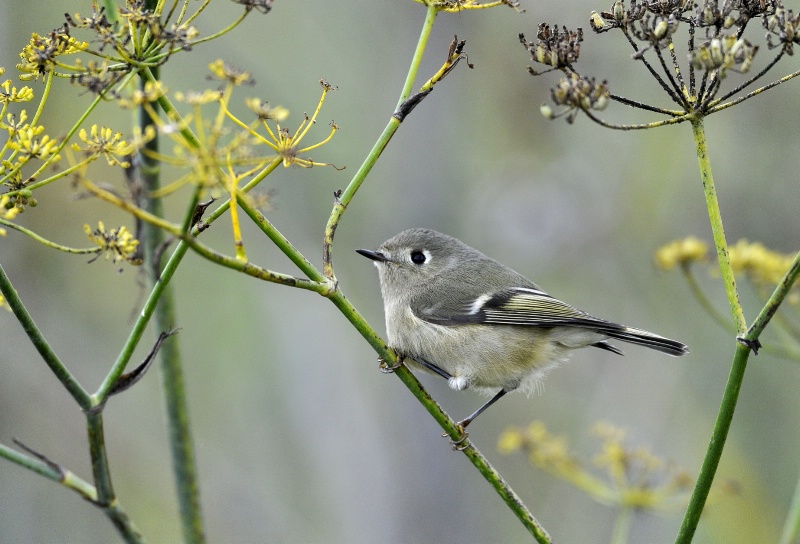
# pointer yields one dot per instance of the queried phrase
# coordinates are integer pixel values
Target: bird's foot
(386, 368)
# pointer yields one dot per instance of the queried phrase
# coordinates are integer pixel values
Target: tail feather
(648, 339)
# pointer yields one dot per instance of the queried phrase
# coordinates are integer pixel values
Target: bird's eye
(418, 257)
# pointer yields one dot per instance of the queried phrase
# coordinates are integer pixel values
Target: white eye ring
(420, 257)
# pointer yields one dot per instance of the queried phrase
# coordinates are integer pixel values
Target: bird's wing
(516, 306)
(527, 306)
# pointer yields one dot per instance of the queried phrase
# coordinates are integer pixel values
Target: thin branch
(750, 81)
(749, 95)
(48, 243)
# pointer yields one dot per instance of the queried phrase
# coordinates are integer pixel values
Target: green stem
(177, 411)
(775, 300)
(747, 341)
(87, 491)
(383, 140)
(99, 456)
(48, 243)
(256, 271)
(715, 216)
(715, 446)
(42, 346)
(346, 196)
(281, 242)
(51, 472)
(725, 416)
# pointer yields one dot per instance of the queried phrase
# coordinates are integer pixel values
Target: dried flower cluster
(716, 47)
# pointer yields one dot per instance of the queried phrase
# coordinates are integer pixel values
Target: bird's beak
(374, 255)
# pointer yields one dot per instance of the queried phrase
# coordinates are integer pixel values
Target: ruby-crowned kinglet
(461, 315)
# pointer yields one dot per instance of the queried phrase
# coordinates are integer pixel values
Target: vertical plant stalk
(716, 445)
(177, 411)
(97, 450)
(715, 217)
(747, 342)
(736, 375)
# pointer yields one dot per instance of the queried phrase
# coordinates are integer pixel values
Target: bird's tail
(648, 339)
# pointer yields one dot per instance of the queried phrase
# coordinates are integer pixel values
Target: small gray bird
(461, 315)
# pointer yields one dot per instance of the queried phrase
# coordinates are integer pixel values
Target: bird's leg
(464, 422)
(433, 368)
(461, 444)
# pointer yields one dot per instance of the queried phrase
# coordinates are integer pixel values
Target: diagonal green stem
(775, 300)
(51, 472)
(410, 381)
(419, 52)
(68, 479)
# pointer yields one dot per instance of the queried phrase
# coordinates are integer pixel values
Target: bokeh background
(299, 437)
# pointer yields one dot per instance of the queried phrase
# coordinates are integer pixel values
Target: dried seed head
(554, 48)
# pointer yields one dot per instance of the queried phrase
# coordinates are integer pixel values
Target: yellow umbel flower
(39, 56)
(762, 265)
(116, 244)
(681, 252)
(635, 477)
(104, 141)
(12, 94)
(31, 143)
(229, 73)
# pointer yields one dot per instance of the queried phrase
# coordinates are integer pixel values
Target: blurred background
(299, 437)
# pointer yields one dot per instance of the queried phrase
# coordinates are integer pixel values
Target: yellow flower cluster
(116, 244)
(762, 265)
(31, 142)
(637, 478)
(8, 211)
(104, 141)
(681, 252)
(39, 56)
(12, 94)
